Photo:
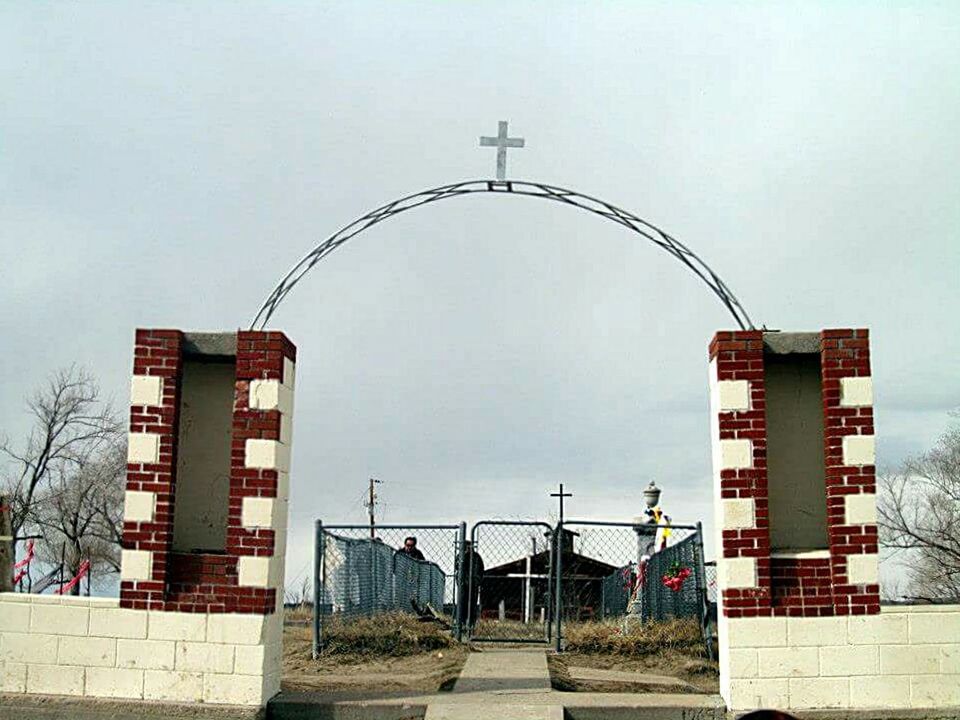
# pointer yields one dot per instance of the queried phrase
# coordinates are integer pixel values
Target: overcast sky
(164, 164)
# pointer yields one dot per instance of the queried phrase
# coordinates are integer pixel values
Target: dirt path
(362, 675)
(586, 672)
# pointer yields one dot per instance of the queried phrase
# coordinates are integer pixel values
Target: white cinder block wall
(175, 639)
(905, 657)
(91, 647)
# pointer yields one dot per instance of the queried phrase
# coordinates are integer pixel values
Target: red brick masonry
(202, 582)
(791, 586)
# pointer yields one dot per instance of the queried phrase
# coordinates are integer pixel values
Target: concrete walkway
(499, 683)
(503, 684)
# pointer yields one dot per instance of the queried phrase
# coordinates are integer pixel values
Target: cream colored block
(88, 652)
(856, 391)
(177, 626)
(136, 565)
(757, 632)
(860, 509)
(788, 662)
(13, 677)
(257, 512)
(138, 506)
(736, 573)
(250, 660)
(237, 629)
(283, 488)
(882, 629)
(816, 631)
(143, 448)
(743, 664)
(909, 660)
(266, 455)
(289, 373)
(54, 680)
(934, 628)
(863, 569)
(738, 513)
(753, 694)
(733, 395)
(811, 693)
(60, 620)
(184, 687)
(950, 660)
(118, 623)
(253, 572)
(146, 654)
(736, 454)
(271, 395)
(32, 647)
(114, 683)
(286, 430)
(146, 390)
(934, 692)
(846, 660)
(859, 450)
(884, 692)
(90, 602)
(204, 657)
(233, 689)
(15, 597)
(14, 617)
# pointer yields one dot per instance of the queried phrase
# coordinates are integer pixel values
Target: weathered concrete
(203, 457)
(788, 343)
(662, 683)
(217, 344)
(796, 475)
(503, 685)
(48, 707)
(503, 672)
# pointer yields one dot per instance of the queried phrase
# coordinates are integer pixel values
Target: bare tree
(919, 514)
(79, 515)
(72, 432)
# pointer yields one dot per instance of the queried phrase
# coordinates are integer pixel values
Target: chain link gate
(611, 571)
(358, 575)
(509, 582)
(512, 580)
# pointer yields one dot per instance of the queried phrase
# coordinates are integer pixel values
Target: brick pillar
(740, 473)
(850, 470)
(151, 465)
(260, 466)
(248, 576)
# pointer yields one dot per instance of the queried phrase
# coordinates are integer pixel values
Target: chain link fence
(358, 575)
(630, 572)
(511, 581)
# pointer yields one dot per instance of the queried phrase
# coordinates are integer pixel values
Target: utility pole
(371, 503)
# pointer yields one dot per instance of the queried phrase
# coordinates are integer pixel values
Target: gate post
(702, 591)
(319, 587)
(558, 553)
(458, 606)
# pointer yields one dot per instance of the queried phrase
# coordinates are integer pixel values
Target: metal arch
(512, 187)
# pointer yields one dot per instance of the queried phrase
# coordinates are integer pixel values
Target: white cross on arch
(501, 142)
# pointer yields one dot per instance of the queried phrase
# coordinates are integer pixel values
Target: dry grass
(371, 657)
(609, 638)
(385, 635)
(674, 648)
